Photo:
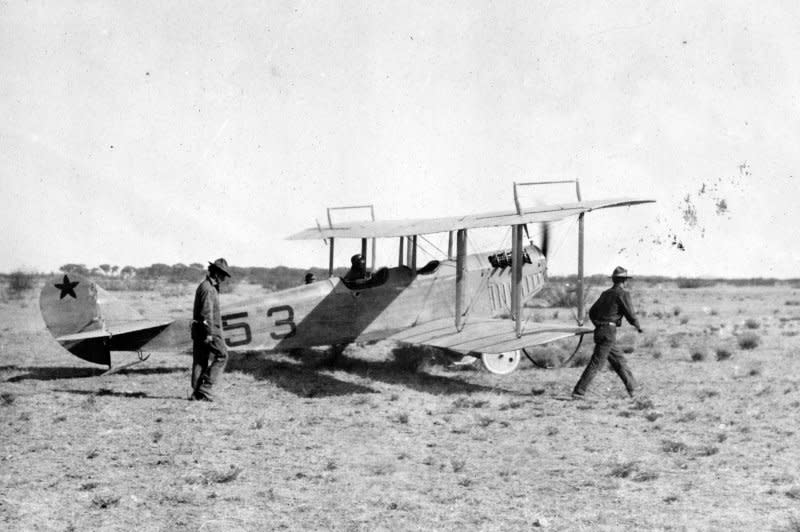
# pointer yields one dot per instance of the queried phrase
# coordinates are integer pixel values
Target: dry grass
(793, 525)
(723, 353)
(671, 446)
(625, 469)
(372, 444)
(749, 340)
(750, 323)
(19, 284)
(103, 501)
(698, 353)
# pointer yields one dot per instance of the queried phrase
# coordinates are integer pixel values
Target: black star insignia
(67, 287)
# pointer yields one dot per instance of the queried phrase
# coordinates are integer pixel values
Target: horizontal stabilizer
(114, 330)
(491, 336)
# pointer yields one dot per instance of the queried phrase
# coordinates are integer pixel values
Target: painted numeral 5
(227, 326)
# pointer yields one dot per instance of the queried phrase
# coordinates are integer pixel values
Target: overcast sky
(142, 132)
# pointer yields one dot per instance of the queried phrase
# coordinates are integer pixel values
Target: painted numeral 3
(288, 321)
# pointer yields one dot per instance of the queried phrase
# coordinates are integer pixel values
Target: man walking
(606, 315)
(209, 350)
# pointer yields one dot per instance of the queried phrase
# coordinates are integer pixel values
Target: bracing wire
(434, 246)
(422, 248)
(485, 281)
(550, 254)
(564, 237)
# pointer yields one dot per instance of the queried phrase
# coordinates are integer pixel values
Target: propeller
(545, 238)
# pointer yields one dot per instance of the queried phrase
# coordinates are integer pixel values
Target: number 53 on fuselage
(467, 303)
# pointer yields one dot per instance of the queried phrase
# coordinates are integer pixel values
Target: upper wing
(486, 335)
(392, 228)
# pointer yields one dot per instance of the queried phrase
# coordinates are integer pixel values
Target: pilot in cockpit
(358, 269)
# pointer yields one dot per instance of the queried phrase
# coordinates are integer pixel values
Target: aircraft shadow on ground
(51, 373)
(303, 380)
(404, 372)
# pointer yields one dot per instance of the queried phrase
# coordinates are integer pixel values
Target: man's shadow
(102, 392)
(51, 373)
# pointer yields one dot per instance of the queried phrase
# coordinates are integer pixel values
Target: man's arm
(206, 310)
(626, 307)
(593, 310)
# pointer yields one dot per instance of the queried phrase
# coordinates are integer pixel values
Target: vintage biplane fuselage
(335, 311)
(327, 312)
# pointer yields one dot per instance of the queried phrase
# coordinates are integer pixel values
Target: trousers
(605, 347)
(208, 364)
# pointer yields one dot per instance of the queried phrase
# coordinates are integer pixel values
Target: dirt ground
(370, 444)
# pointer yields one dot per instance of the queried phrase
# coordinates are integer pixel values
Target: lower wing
(491, 336)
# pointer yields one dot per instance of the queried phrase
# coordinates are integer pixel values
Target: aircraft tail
(82, 317)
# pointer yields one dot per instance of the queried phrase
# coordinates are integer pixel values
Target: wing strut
(449, 245)
(364, 246)
(364, 250)
(330, 260)
(461, 269)
(411, 252)
(579, 292)
(400, 252)
(516, 276)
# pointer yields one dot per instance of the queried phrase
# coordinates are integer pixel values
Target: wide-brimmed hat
(620, 273)
(221, 265)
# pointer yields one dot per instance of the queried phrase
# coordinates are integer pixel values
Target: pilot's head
(357, 260)
(309, 278)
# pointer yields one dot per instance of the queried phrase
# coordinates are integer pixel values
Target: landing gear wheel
(501, 363)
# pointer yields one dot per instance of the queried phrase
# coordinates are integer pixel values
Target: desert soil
(374, 444)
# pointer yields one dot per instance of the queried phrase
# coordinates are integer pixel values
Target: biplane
(467, 303)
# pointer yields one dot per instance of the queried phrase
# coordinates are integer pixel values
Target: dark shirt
(612, 306)
(206, 308)
(356, 273)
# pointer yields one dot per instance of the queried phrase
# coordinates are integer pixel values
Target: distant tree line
(113, 277)
(680, 282)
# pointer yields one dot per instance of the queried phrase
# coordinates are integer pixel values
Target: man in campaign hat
(209, 350)
(606, 315)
